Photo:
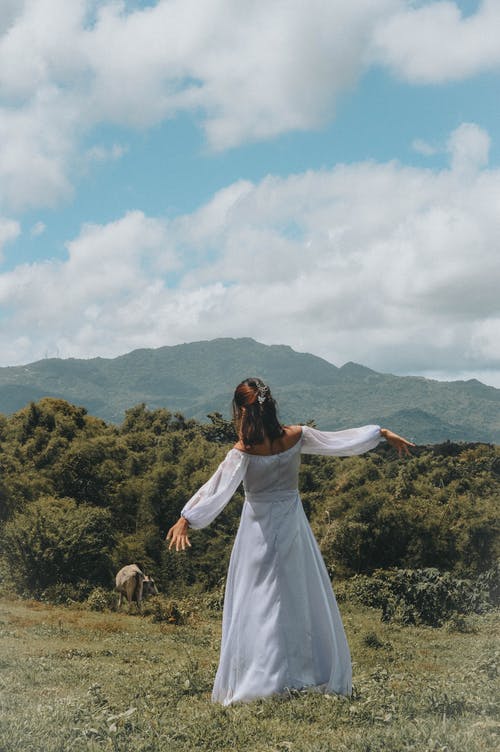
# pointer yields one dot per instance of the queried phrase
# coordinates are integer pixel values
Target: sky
(323, 174)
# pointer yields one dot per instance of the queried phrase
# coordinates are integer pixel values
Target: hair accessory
(262, 395)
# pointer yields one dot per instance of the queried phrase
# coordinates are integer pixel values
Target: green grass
(78, 680)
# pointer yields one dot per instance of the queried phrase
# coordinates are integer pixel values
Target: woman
(281, 626)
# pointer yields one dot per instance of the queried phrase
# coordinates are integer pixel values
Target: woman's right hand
(178, 535)
(398, 442)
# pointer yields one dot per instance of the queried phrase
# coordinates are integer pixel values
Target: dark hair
(254, 412)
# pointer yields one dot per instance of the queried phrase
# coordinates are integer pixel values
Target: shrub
(346, 542)
(168, 610)
(460, 623)
(55, 541)
(419, 596)
(488, 585)
(64, 593)
(214, 600)
(101, 599)
(372, 640)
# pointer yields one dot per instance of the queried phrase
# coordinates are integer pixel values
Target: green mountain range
(199, 378)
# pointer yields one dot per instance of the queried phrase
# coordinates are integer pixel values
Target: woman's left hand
(398, 442)
(178, 535)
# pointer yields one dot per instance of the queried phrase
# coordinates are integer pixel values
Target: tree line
(79, 498)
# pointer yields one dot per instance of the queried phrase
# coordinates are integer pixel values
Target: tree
(57, 541)
(219, 429)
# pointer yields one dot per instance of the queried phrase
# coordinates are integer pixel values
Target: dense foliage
(80, 498)
(437, 509)
(58, 541)
(423, 596)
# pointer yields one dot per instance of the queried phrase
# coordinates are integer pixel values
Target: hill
(197, 378)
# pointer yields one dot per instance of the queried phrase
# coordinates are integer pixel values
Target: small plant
(168, 610)
(460, 623)
(192, 679)
(372, 640)
(214, 600)
(442, 703)
(101, 599)
(490, 665)
(97, 696)
(488, 585)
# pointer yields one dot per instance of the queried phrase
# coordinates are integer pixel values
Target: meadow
(76, 679)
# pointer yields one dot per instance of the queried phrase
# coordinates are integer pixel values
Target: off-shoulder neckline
(274, 454)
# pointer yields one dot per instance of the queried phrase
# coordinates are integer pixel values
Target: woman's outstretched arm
(349, 442)
(209, 501)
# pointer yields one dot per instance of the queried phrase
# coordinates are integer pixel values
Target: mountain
(198, 378)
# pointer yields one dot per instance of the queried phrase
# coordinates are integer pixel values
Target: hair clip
(263, 392)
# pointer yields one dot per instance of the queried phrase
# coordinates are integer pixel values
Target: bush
(460, 623)
(419, 596)
(214, 599)
(488, 585)
(101, 599)
(64, 593)
(56, 542)
(372, 640)
(169, 610)
(430, 511)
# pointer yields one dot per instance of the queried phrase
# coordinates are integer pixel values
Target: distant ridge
(198, 378)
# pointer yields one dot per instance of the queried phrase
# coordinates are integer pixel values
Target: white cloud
(75, 305)
(423, 147)
(435, 43)
(297, 59)
(469, 146)
(247, 70)
(38, 229)
(99, 153)
(119, 255)
(37, 143)
(10, 10)
(391, 266)
(9, 230)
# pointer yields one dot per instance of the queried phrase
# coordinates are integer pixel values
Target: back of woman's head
(254, 412)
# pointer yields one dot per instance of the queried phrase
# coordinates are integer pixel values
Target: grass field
(73, 679)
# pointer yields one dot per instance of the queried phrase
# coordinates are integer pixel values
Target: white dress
(281, 626)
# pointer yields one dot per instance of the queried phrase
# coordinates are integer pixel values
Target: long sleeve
(340, 443)
(209, 501)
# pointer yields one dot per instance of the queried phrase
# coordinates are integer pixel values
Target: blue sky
(325, 177)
